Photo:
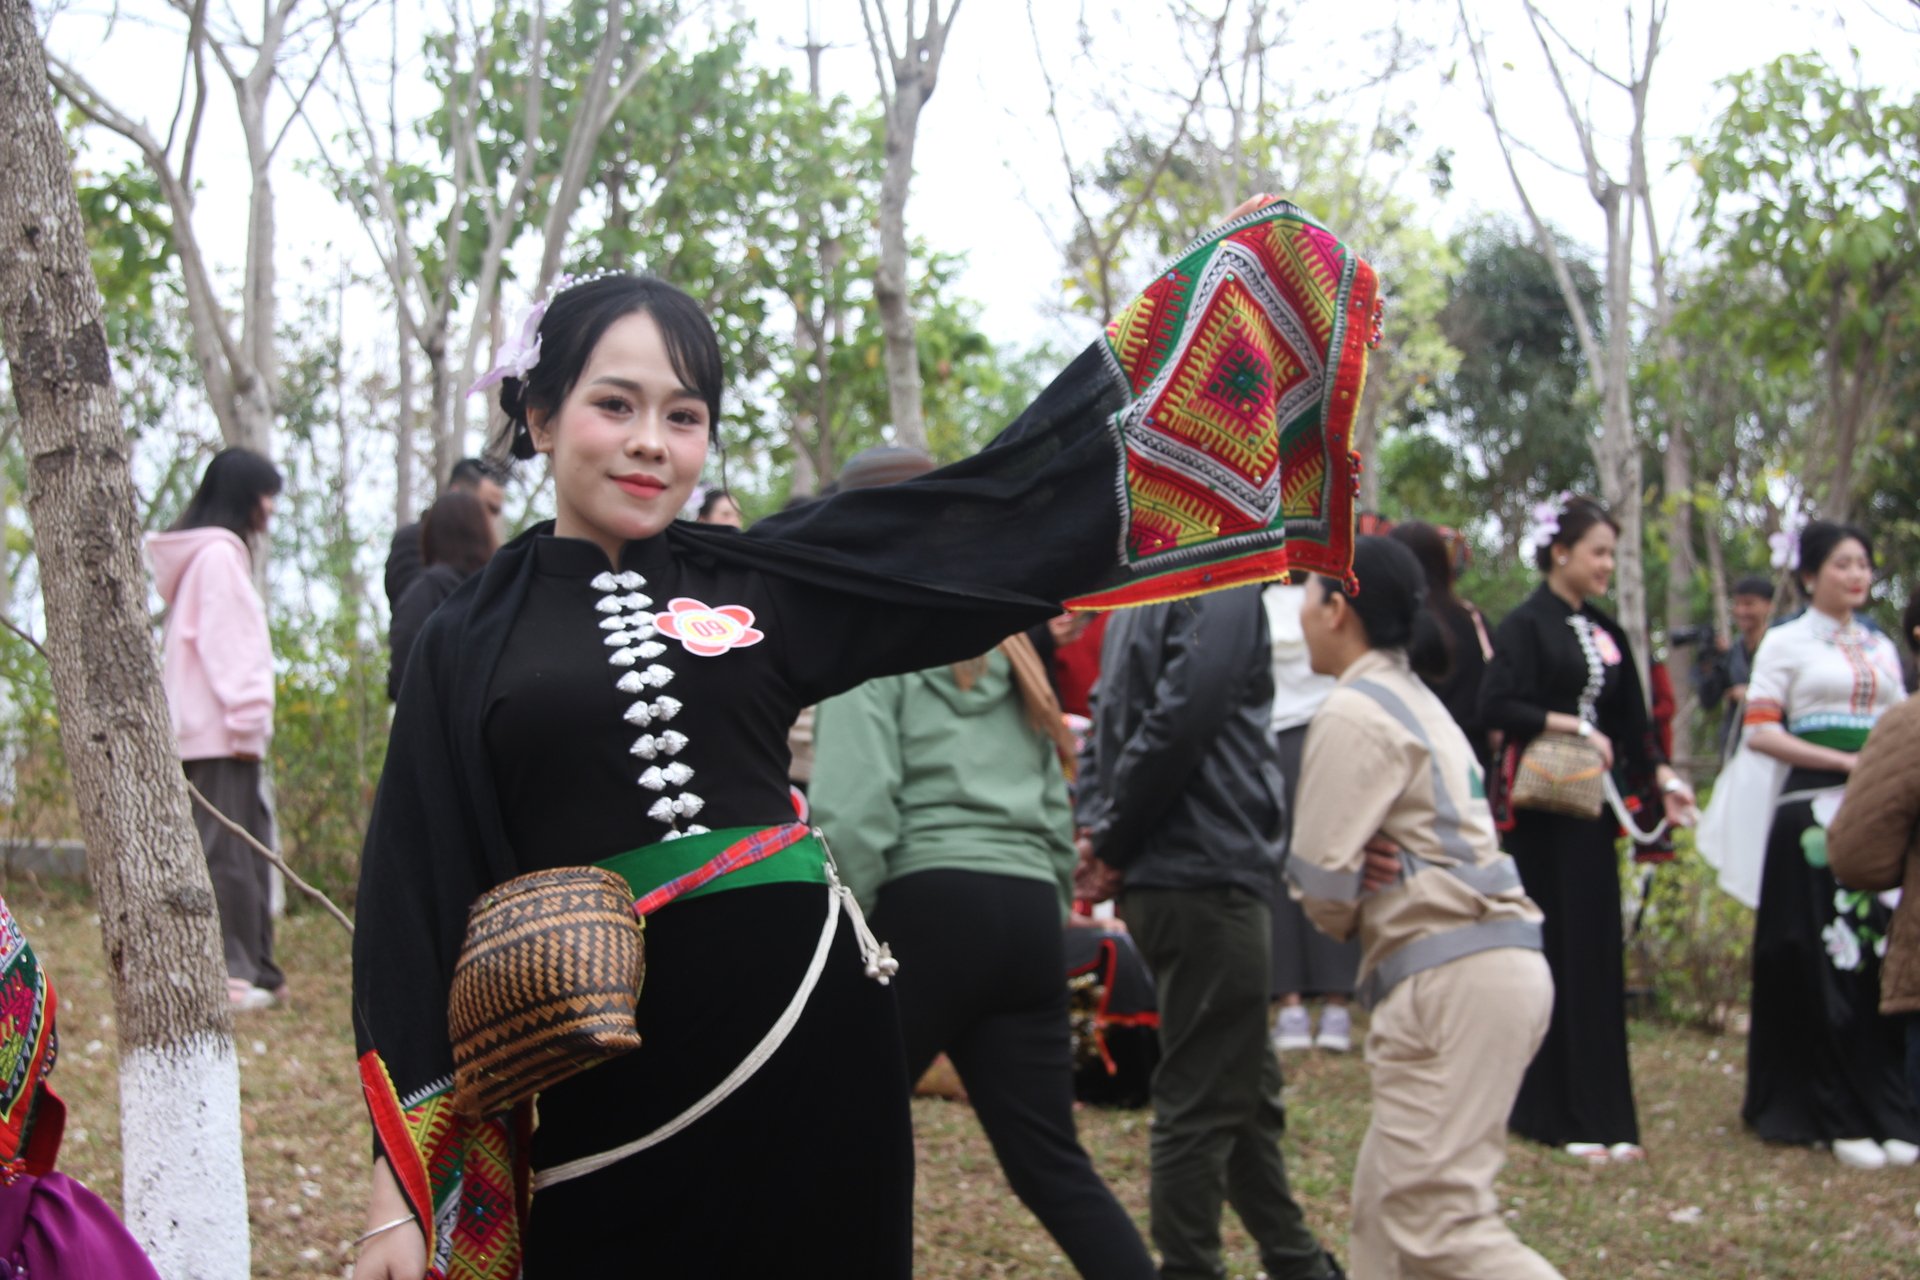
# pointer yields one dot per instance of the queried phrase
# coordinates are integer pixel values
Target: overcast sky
(990, 182)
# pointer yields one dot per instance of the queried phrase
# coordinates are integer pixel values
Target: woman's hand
(1604, 745)
(1382, 867)
(1676, 797)
(399, 1254)
(396, 1254)
(1250, 204)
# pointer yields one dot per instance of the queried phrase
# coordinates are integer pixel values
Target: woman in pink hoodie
(217, 666)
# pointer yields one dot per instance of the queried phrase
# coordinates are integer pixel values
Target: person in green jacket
(944, 801)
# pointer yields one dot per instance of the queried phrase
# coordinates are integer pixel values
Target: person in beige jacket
(1450, 957)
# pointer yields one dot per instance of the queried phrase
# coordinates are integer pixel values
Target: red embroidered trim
(1764, 711)
(1261, 566)
(1334, 558)
(396, 1140)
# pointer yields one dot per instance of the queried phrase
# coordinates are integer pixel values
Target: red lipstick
(641, 486)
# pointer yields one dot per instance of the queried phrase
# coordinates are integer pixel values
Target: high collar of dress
(1823, 627)
(1553, 601)
(559, 557)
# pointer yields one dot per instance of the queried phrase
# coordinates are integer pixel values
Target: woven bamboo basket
(1560, 773)
(546, 985)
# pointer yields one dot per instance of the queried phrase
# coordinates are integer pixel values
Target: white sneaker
(1900, 1153)
(1859, 1153)
(1336, 1029)
(1588, 1152)
(1293, 1029)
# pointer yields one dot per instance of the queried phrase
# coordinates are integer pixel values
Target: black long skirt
(1306, 962)
(1580, 1085)
(1822, 1063)
(806, 1170)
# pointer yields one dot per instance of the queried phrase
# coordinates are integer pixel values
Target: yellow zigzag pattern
(1315, 280)
(1129, 334)
(1300, 486)
(1175, 513)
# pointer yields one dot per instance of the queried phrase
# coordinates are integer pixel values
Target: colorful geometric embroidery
(464, 1178)
(1244, 362)
(30, 1114)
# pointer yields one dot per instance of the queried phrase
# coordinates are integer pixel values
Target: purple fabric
(52, 1228)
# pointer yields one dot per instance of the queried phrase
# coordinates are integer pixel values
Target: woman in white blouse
(1822, 1065)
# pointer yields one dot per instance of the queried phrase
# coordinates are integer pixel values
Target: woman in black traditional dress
(1561, 665)
(514, 745)
(1822, 1065)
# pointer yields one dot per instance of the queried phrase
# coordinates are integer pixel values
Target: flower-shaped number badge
(708, 632)
(1608, 650)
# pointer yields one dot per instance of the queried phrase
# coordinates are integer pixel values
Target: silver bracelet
(383, 1227)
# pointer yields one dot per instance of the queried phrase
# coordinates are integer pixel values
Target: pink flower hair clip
(1784, 546)
(520, 354)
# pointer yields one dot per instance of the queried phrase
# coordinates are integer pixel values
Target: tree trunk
(185, 1192)
(1717, 573)
(1617, 452)
(907, 78)
(890, 288)
(1677, 479)
(403, 428)
(1366, 442)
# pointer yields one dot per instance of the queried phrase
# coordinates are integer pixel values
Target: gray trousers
(1217, 1118)
(242, 879)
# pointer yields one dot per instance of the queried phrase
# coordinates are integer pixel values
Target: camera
(1681, 637)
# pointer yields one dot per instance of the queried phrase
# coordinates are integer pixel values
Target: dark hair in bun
(575, 321)
(1577, 518)
(1391, 604)
(1818, 542)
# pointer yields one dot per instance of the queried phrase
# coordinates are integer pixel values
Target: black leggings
(983, 978)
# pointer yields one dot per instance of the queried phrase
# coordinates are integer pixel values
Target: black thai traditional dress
(1550, 657)
(559, 709)
(1822, 1064)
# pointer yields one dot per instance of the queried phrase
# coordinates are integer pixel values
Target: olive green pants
(1217, 1118)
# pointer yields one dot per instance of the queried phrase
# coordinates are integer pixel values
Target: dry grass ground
(1710, 1202)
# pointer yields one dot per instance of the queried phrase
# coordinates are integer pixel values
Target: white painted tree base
(184, 1186)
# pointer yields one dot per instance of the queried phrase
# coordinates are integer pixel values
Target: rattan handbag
(1560, 773)
(546, 985)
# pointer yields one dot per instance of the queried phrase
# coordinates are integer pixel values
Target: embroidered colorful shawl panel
(31, 1115)
(465, 1180)
(1245, 362)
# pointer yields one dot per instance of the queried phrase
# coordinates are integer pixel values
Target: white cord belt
(880, 966)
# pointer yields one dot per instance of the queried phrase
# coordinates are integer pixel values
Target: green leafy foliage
(130, 238)
(1810, 216)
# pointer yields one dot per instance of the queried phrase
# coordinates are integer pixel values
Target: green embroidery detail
(1479, 785)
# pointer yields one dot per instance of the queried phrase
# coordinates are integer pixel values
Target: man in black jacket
(1180, 800)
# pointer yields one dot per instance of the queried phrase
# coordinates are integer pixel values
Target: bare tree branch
(280, 863)
(1597, 180)
(880, 61)
(1543, 236)
(1584, 59)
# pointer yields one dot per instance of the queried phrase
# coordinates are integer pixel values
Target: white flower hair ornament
(1784, 546)
(1545, 524)
(519, 355)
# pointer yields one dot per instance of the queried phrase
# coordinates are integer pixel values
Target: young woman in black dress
(616, 688)
(1560, 664)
